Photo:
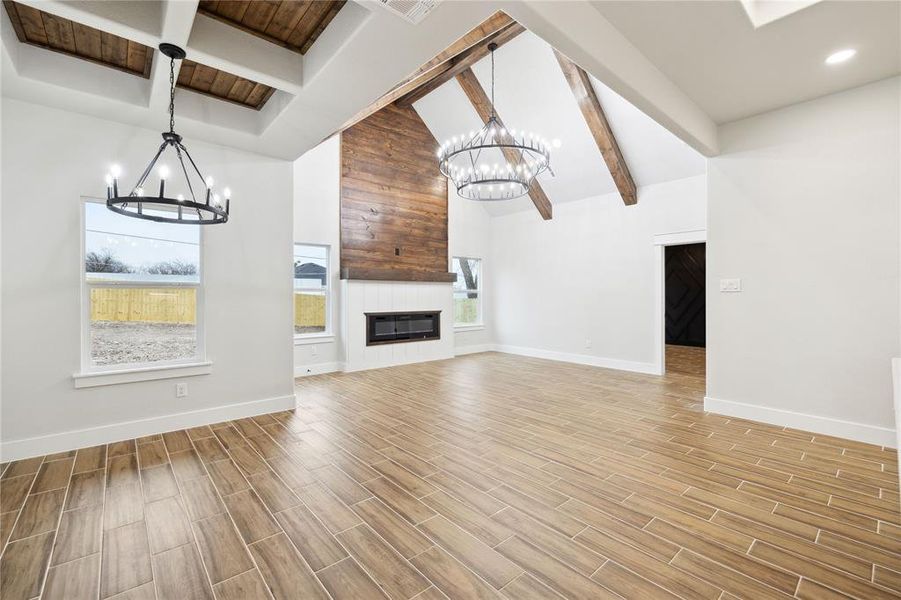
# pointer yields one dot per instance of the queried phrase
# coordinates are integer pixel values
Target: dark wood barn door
(685, 324)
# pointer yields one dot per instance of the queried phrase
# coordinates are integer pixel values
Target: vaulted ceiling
(532, 93)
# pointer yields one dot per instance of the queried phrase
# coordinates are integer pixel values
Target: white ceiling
(713, 53)
(531, 93)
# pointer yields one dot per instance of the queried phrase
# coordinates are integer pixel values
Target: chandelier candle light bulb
(163, 173)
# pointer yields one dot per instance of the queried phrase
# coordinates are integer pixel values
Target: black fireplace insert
(396, 327)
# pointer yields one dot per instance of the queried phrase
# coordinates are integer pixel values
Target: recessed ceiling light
(840, 56)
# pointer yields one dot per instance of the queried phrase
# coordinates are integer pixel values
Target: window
(467, 291)
(142, 302)
(311, 290)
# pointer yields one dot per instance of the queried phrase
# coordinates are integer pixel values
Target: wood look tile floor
(486, 476)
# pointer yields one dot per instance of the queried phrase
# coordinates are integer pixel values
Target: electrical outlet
(313, 350)
(181, 390)
(730, 285)
(588, 342)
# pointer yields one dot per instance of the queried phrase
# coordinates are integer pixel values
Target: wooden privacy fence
(153, 305)
(309, 310)
(179, 305)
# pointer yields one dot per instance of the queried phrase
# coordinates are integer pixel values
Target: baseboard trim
(860, 432)
(317, 369)
(581, 359)
(473, 349)
(105, 434)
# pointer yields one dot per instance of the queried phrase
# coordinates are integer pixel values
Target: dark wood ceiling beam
(461, 63)
(480, 101)
(476, 35)
(587, 99)
(436, 66)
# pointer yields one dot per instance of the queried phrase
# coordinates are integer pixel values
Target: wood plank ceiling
(224, 86)
(42, 29)
(292, 24)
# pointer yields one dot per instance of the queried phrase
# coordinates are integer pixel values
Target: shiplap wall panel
(360, 297)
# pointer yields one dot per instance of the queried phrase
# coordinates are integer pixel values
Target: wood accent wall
(393, 200)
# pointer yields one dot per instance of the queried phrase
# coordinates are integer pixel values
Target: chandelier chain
(171, 95)
(493, 113)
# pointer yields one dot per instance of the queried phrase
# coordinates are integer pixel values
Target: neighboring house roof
(310, 271)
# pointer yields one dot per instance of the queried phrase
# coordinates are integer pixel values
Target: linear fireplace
(396, 327)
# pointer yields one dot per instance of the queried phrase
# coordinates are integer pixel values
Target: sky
(310, 254)
(137, 242)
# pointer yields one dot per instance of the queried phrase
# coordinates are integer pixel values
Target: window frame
(303, 338)
(480, 323)
(88, 368)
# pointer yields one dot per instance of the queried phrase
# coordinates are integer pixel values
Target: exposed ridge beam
(482, 104)
(461, 63)
(436, 66)
(590, 105)
(476, 35)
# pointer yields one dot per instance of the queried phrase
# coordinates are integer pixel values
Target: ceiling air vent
(413, 11)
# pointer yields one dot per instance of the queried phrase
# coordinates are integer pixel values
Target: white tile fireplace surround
(360, 297)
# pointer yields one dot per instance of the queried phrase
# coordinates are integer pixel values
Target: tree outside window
(467, 291)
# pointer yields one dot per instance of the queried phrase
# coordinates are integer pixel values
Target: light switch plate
(730, 285)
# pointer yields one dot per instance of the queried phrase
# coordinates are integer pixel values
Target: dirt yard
(301, 329)
(118, 342)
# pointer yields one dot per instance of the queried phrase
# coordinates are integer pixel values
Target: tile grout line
(181, 494)
(55, 531)
(144, 510)
(265, 506)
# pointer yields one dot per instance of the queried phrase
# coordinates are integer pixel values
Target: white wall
(581, 287)
(50, 159)
(804, 208)
(469, 234)
(317, 220)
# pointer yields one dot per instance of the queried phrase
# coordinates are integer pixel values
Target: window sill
(99, 378)
(319, 338)
(464, 328)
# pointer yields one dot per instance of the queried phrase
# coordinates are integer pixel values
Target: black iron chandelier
(208, 209)
(494, 163)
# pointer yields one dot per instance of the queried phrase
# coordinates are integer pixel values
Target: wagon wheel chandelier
(207, 209)
(494, 163)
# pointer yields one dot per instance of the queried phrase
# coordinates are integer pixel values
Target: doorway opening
(684, 308)
(680, 304)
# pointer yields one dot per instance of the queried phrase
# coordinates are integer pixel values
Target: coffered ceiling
(45, 30)
(294, 24)
(222, 85)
